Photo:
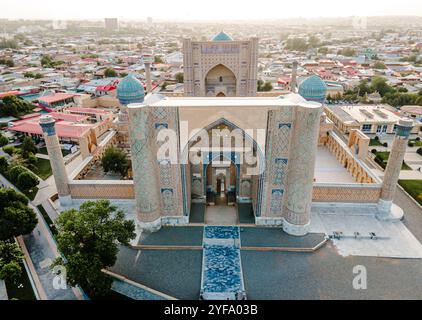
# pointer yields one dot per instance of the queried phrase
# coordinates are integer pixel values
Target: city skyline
(190, 10)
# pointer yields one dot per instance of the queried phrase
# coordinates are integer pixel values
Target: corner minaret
(386, 209)
(148, 59)
(293, 82)
(47, 124)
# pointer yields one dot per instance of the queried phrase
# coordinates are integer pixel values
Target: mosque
(227, 145)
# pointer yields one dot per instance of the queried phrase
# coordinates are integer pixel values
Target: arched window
(221, 79)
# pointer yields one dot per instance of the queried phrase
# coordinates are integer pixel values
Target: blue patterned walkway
(222, 276)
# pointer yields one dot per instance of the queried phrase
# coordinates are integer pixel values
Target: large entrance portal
(221, 172)
(220, 81)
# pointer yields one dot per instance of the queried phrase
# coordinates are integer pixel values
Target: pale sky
(203, 9)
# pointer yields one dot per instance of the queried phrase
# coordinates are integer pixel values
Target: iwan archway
(220, 81)
(212, 170)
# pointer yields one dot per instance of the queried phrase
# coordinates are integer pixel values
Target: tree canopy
(264, 86)
(89, 239)
(16, 218)
(115, 160)
(10, 261)
(179, 77)
(14, 107)
(110, 73)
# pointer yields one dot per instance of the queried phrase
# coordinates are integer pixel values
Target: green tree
(28, 146)
(15, 172)
(16, 218)
(3, 140)
(10, 261)
(115, 160)
(296, 44)
(264, 86)
(14, 107)
(179, 77)
(380, 85)
(363, 88)
(8, 44)
(4, 165)
(348, 52)
(110, 73)
(89, 239)
(379, 65)
(158, 59)
(27, 180)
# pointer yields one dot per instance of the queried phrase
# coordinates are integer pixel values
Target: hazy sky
(203, 9)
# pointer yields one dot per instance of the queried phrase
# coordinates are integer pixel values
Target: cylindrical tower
(58, 167)
(145, 168)
(300, 177)
(386, 209)
(293, 82)
(148, 60)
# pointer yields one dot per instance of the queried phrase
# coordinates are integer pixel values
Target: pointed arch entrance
(239, 183)
(220, 81)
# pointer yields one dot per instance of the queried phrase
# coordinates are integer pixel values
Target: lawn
(48, 220)
(414, 188)
(375, 143)
(31, 193)
(382, 158)
(416, 143)
(42, 168)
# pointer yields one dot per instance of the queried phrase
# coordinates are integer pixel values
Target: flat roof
(286, 100)
(57, 97)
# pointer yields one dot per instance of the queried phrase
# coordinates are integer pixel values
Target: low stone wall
(347, 193)
(101, 189)
(110, 189)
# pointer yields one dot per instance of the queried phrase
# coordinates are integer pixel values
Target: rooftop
(57, 97)
(287, 100)
(67, 125)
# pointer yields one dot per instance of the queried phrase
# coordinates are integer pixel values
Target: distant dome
(313, 89)
(222, 36)
(130, 90)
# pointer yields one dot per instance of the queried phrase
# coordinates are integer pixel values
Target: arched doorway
(222, 181)
(241, 186)
(220, 81)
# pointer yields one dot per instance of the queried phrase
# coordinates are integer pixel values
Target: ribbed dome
(222, 36)
(313, 89)
(130, 90)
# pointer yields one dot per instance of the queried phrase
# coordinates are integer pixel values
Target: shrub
(4, 166)
(411, 143)
(3, 140)
(27, 180)
(115, 160)
(15, 172)
(10, 150)
(418, 139)
(28, 146)
(374, 151)
(376, 138)
(419, 151)
(385, 144)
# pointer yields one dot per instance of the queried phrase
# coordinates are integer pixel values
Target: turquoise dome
(130, 90)
(313, 89)
(222, 36)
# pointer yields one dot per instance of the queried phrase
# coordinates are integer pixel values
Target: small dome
(313, 89)
(130, 90)
(222, 36)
